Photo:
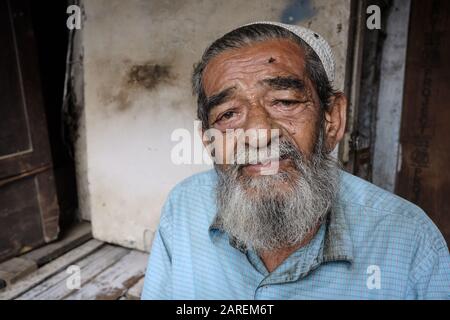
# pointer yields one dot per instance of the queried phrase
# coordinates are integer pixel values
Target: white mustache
(247, 154)
(252, 155)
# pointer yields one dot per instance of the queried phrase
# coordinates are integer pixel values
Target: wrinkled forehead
(252, 63)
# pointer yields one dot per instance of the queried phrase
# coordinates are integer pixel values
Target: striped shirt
(373, 245)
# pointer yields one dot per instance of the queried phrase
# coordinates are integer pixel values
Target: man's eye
(285, 103)
(226, 116)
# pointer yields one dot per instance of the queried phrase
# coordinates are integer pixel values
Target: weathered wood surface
(424, 178)
(113, 282)
(55, 288)
(74, 237)
(14, 269)
(134, 293)
(49, 270)
(30, 209)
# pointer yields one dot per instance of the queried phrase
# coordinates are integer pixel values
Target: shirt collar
(338, 245)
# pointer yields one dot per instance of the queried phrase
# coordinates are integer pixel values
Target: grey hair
(247, 35)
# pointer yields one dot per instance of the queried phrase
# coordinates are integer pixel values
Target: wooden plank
(424, 178)
(15, 268)
(49, 269)
(55, 288)
(134, 293)
(20, 227)
(12, 270)
(113, 282)
(74, 237)
(21, 98)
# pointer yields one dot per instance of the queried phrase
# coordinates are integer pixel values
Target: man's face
(263, 86)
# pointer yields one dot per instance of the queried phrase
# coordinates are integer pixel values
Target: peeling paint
(146, 76)
(149, 75)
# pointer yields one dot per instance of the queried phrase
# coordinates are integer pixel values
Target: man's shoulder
(194, 193)
(361, 192)
(206, 179)
(386, 208)
(190, 201)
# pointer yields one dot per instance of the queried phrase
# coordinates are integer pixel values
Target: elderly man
(305, 230)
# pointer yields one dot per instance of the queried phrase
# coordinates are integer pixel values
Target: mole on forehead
(272, 56)
(276, 50)
(247, 62)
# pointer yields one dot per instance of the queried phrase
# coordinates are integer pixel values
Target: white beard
(260, 216)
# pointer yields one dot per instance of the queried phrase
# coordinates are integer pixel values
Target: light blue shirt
(374, 245)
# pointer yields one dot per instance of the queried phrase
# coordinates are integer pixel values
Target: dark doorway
(49, 24)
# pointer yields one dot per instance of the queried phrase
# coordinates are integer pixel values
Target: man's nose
(258, 126)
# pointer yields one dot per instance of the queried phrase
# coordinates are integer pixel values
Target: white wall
(386, 158)
(126, 167)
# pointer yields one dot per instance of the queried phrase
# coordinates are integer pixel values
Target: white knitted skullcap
(314, 40)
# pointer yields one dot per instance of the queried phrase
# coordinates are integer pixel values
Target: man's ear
(201, 132)
(206, 140)
(335, 117)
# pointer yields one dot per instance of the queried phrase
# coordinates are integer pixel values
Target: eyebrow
(285, 83)
(219, 98)
(277, 83)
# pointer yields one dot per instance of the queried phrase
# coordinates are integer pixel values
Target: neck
(273, 258)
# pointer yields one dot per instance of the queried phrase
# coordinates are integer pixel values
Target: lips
(265, 164)
(266, 168)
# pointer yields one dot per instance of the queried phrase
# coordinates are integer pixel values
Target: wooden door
(28, 205)
(424, 176)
